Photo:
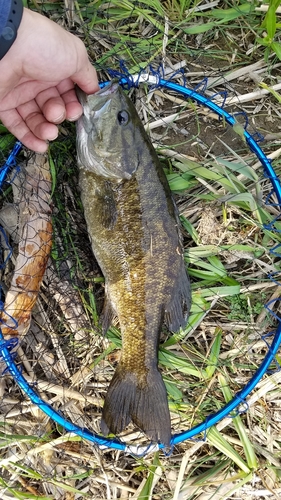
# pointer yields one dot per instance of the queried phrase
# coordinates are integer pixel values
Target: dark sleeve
(10, 18)
(5, 7)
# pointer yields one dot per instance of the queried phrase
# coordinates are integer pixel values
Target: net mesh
(223, 199)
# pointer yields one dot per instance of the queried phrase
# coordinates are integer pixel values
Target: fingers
(72, 105)
(36, 122)
(51, 105)
(30, 126)
(60, 103)
(14, 122)
(68, 99)
(24, 92)
(86, 78)
(33, 123)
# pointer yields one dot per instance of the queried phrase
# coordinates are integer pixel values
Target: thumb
(87, 79)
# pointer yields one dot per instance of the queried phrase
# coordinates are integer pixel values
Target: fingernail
(60, 118)
(53, 137)
(74, 118)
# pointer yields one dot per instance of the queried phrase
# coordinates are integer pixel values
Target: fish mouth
(108, 89)
(95, 105)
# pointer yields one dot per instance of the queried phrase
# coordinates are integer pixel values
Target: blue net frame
(6, 346)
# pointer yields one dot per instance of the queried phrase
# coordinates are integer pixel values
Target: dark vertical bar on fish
(134, 229)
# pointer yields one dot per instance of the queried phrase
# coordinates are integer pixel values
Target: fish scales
(133, 226)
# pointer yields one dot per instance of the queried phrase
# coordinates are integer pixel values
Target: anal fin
(108, 315)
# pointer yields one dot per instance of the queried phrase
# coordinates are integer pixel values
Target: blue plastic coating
(242, 395)
(9, 163)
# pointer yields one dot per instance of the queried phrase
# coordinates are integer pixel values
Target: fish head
(106, 133)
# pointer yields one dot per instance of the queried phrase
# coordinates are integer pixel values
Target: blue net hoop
(129, 81)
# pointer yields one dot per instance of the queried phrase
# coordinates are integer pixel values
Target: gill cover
(108, 133)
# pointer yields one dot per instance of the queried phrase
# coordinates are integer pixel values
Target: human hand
(37, 79)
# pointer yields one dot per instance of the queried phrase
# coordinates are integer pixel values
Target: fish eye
(123, 117)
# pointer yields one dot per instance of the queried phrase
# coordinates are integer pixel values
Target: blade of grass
(217, 440)
(213, 356)
(239, 426)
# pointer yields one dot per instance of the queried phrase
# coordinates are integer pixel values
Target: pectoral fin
(177, 311)
(105, 206)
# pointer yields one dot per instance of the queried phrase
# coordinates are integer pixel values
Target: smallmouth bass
(133, 225)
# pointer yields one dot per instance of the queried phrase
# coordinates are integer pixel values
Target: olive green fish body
(133, 226)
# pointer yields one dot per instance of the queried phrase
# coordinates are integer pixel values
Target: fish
(134, 228)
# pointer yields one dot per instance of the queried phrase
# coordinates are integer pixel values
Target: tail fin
(142, 401)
